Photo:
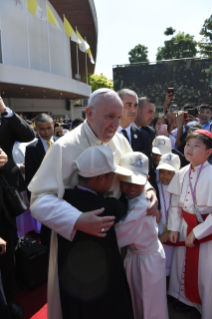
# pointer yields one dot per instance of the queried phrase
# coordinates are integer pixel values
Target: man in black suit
(139, 140)
(145, 115)
(35, 153)
(12, 128)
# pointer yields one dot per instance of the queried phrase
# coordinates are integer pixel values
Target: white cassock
(183, 200)
(57, 172)
(169, 250)
(145, 263)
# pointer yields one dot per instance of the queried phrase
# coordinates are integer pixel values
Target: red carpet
(33, 302)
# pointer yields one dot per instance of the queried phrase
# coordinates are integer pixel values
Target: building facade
(38, 61)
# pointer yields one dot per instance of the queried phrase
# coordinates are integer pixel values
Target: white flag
(83, 46)
(18, 4)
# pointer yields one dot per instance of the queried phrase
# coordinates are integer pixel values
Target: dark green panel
(191, 79)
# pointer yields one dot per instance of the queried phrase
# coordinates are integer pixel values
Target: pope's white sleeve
(175, 214)
(56, 213)
(204, 229)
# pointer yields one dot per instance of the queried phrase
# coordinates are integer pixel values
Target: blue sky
(123, 24)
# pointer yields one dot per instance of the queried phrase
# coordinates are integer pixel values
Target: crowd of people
(123, 202)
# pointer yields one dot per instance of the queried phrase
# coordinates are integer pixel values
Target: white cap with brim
(98, 160)
(169, 162)
(138, 164)
(97, 92)
(161, 145)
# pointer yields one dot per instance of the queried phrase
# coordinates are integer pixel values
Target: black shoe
(181, 307)
(16, 310)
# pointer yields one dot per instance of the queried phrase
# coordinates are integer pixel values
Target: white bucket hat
(138, 164)
(98, 160)
(170, 162)
(161, 145)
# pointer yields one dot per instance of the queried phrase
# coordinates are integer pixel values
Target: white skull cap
(97, 92)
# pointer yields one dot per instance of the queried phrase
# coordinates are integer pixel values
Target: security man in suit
(12, 128)
(145, 115)
(35, 153)
(138, 139)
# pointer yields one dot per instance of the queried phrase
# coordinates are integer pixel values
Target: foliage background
(191, 79)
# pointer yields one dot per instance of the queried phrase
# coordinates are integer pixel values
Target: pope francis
(58, 172)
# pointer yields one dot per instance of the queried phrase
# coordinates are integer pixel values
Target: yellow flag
(35, 9)
(84, 46)
(51, 18)
(70, 31)
(90, 56)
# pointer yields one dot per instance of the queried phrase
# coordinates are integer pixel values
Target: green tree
(180, 46)
(205, 45)
(99, 81)
(138, 54)
(169, 31)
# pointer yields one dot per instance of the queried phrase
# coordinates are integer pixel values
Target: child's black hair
(85, 180)
(206, 140)
(206, 106)
(157, 117)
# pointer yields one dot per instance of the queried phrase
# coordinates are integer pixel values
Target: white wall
(31, 46)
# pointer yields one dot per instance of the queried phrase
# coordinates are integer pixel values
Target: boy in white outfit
(190, 219)
(145, 262)
(169, 163)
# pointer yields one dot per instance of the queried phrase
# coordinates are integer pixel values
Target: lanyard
(86, 189)
(164, 203)
(193, 191)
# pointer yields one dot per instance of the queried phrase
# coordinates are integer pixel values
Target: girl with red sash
(190, 223)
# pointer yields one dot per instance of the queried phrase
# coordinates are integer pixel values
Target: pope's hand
(91, 223)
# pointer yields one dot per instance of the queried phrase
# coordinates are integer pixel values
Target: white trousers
(146, 275)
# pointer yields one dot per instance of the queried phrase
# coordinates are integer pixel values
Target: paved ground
(192, 314)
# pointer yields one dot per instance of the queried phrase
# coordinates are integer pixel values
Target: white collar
(44, 141)
(92, 138)
(127, 129)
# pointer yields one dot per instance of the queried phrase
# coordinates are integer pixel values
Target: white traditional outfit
(191, 272)
(145, 261)
(57, 172)
(165, 201)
